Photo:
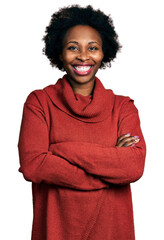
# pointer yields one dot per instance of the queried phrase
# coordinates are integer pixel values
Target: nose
(83, 55)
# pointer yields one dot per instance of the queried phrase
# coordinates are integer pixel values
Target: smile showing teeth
(82, 68)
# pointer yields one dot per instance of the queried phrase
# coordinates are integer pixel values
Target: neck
(84, 89)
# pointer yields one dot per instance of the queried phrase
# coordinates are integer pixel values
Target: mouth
(82, 70)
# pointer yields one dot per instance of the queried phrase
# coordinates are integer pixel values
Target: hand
(127, 140)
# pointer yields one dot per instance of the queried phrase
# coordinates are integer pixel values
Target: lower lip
(82, 73)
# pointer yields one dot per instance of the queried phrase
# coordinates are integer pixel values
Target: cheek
(67, 57)
(98, 57)
(67, 60)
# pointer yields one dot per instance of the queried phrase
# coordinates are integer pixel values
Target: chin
(81, 79)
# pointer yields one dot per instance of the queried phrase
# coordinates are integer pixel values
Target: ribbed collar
(94, 108)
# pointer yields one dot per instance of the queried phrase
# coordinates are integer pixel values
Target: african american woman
(80, 144)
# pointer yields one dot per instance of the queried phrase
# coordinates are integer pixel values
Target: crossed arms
(80, 165)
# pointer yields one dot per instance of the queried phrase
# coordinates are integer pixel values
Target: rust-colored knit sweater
(80, 179)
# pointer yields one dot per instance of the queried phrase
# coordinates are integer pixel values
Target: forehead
(82, 33)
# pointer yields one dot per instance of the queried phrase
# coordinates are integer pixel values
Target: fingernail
(136, 137)
(137, 140)
(133, 144)
(128, 134)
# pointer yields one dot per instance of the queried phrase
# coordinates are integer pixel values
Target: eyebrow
(78, 43)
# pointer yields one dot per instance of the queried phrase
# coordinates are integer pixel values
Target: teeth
(82, 68)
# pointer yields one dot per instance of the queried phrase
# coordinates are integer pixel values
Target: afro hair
(68, 17)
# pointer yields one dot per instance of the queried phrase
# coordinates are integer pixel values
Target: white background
(137, 72)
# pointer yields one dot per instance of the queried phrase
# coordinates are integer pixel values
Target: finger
(123, 136)
(128, 141)
(125, 139)
(131, 143)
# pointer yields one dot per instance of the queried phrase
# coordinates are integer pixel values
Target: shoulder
(123, 104)
(38, 96)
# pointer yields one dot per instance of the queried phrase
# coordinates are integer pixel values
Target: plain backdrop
(137, 72)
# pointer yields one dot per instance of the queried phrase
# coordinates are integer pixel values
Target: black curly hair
(68, 17)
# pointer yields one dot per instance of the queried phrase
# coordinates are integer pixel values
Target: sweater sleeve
(37, 163)
(117, 165)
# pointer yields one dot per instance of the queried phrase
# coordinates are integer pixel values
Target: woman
(80, 144)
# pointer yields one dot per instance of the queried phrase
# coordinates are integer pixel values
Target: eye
(93, 48)
(73, 48)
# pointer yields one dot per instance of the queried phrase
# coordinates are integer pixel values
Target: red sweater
(80, 179)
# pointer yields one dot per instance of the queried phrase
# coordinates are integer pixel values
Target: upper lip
(82, 64)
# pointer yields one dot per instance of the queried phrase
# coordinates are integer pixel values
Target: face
(82, 53)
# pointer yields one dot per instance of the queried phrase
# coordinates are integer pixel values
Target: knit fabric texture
(80, 178)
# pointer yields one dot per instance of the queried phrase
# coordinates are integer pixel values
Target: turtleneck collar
(93, 108)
